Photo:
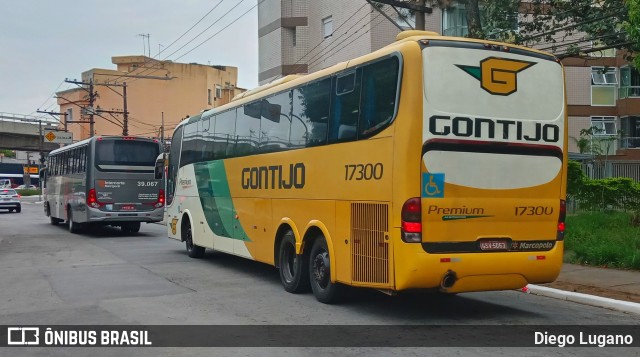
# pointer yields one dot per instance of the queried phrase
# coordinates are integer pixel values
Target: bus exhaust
(448, 279)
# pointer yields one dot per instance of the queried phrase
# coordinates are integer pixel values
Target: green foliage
(603, 239)
(610, 193)
(566, 28)
(7, 153)
(28, 192)
(575, 178)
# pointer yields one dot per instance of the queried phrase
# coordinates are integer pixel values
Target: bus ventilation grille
(369, 249)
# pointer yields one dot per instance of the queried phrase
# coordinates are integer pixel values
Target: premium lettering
(484, 128)
(274, 177)
(454, 210)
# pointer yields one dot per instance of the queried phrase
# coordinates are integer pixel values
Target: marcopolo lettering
(443, 125)
(273, 177)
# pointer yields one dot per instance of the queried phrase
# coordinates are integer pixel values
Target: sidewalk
(609, 288)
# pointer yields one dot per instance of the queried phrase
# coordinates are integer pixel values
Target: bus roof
(86, 141)
(402, 39)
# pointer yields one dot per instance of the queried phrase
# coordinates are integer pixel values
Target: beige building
(152, 88)
(298, 36)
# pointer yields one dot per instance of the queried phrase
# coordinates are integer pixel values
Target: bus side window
(345, 105)
(379, 93)
(311, 109)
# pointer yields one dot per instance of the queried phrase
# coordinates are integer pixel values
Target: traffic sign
(60, 137)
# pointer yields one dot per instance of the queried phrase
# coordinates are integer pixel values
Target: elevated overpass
(22, 132)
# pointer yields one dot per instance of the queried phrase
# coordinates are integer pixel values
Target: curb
(585, 299)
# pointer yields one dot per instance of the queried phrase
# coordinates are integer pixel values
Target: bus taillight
(412, 220)
(92, 200)
(160, 201)
(561, 218)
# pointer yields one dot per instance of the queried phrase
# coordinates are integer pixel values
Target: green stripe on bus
(215, 198)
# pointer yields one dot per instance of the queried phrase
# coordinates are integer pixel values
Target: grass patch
(28, 192)
(603, 239)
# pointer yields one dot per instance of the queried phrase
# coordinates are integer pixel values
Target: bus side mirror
(159, 171)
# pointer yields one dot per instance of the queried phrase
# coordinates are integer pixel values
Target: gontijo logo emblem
(497, 76)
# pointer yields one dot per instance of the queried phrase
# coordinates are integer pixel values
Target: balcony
(629, 92)
(629, 142)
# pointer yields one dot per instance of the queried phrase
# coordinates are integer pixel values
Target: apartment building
(154, 90)
(303, 36)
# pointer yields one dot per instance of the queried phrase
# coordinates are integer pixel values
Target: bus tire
(193, 250)
(130, 227)
(320, 273)
(73, 227)
(293, 267)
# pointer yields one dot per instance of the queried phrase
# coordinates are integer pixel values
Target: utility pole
(89, 109)
(420, 8)
(125, 122)
(41, 161)
(92, 111)
(91, 99)
(56, 113)
(162, 132)
(420, 16)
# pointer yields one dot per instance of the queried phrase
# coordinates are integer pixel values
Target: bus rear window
(126, 153)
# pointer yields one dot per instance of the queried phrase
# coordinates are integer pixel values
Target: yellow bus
(433, 163)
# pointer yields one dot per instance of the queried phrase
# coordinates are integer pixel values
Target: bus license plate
(128, 208)
(493, 245)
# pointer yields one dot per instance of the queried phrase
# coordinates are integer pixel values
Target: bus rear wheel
(193, 250)
(293, 267)
(73, 226)
(130, 227)
(324, 290)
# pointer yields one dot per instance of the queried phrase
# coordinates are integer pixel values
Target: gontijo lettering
(274, 177)
(443, 125)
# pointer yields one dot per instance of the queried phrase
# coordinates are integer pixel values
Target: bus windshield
(112, 153)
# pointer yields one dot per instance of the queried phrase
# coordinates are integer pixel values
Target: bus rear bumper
(106, 217)
(455, 273)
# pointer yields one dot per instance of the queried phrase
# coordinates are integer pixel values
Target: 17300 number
(363, 171)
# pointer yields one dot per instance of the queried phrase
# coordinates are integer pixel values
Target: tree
(566, 28)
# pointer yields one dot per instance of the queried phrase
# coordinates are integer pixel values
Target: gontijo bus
(104, 180)
(435, 162)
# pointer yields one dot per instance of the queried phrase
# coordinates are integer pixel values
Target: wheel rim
(70, 221)
(321, 269)
(188, 239)
(289, 263)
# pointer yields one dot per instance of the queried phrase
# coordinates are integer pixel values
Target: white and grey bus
(104, 180)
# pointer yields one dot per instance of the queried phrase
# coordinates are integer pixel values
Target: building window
(603, 86)
(629, 82)
(454, 21)
(327, 27)
(604, 125)
(69, 116)
(294, 37)
(209, 96)
(218, 91)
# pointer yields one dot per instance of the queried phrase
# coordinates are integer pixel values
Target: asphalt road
(51, 277)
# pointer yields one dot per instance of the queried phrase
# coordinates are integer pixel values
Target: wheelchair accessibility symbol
(433, 185)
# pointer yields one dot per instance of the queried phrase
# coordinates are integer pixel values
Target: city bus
(435, 163)
(104, 180)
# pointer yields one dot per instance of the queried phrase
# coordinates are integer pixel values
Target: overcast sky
(42, 42)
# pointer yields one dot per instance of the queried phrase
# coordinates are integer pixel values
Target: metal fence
(600, 170)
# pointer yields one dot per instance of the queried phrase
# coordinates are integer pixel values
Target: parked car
(10, 199)
(31, 187)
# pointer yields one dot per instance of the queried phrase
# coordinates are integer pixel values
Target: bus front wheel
(193, 250)
(324, 290)
(293, 267)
